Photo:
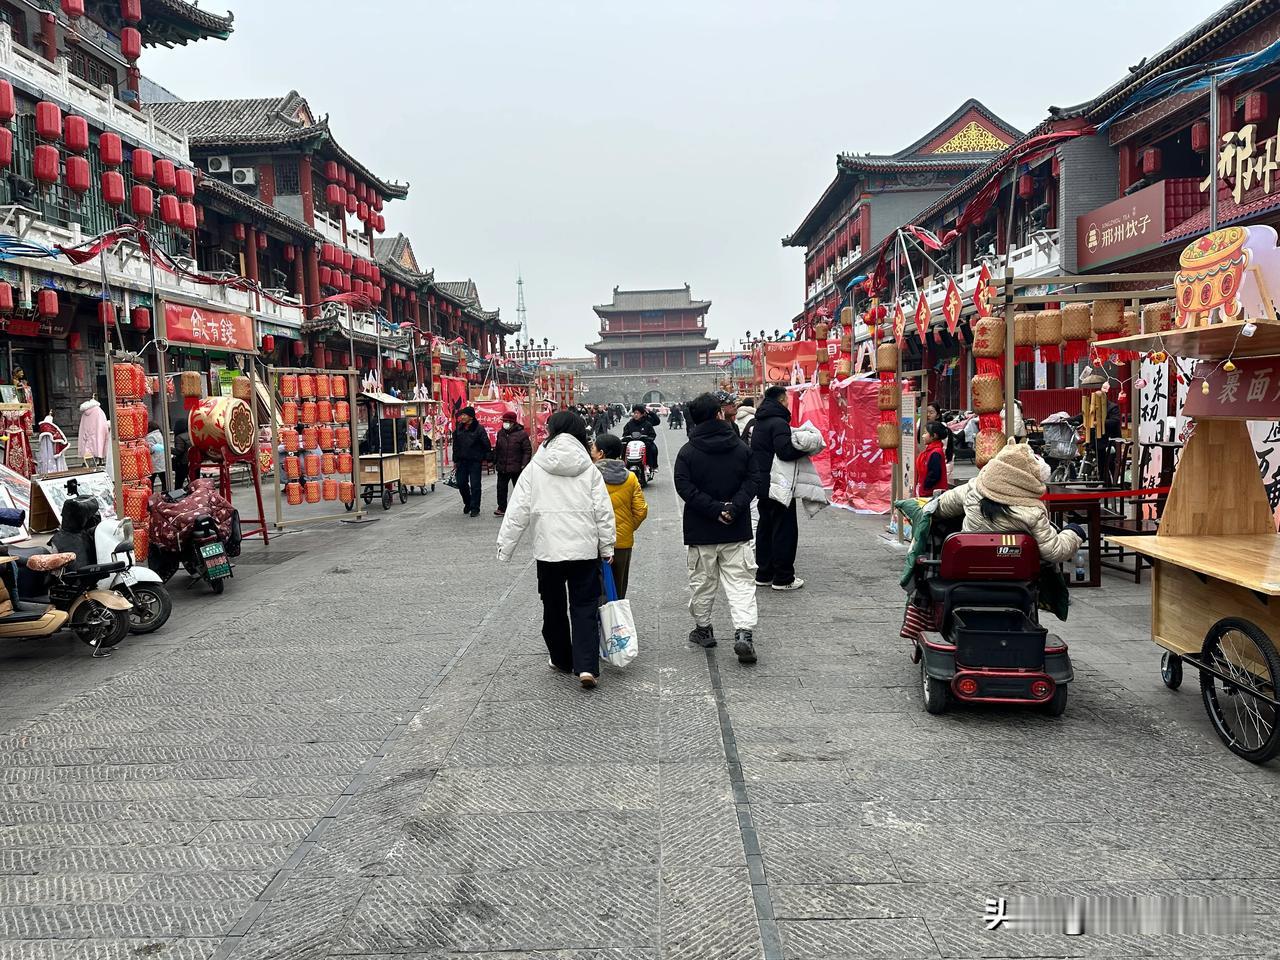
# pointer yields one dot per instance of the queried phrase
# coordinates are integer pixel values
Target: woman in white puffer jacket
(564, 497)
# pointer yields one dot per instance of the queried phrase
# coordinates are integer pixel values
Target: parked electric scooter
(45, 578)
(187, 534)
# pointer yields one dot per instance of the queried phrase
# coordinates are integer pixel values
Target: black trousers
(570, 590)
(777, 536)
(469, 483)
(505, 481)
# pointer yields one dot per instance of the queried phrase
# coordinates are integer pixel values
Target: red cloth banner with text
(453, 396)
(815, 407)
(211, 329)
(861, 475)
(489, 414)
(781, 358)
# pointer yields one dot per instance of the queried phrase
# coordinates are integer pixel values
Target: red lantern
(76, 133)
(362, 191)
(290, 252)
(185, 184)
(110, 149)
(375, 273)
(187, 216)
(166, 175)
(362, 212)
(1200, 136)
(1026, 186)
(79, 177)
(239, 232)
(352, 203)
(348, 260)
(268, 343)
(144, 165)
(377, 202)
(169, 211)
(351, 182)
(8, 103)
(113, 188)
(6, 147)
(48, 120)
(106, 313)
(1255, 107)
(141, 319)
(130, 10)
(47, 303)
(331, 170)
(335, 195)
(130, 43)
(381, 226)
(6, 297)
(46, 163)
(1151, 161)
(262, 240)
(73, 8)
(143, 202)
(299, 349)
(73, 341)
(326, 276)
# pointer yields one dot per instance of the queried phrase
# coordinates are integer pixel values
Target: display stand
(420, 469)
(379, 477)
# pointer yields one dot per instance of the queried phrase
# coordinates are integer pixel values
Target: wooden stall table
(418, 468)
(1081, 497)
(380, 478)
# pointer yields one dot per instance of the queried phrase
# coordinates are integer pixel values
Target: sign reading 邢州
(1127, 226)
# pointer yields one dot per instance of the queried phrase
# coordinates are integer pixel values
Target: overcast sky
(594, 143)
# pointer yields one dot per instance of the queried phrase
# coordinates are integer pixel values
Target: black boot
(744, 646)
(703, 636)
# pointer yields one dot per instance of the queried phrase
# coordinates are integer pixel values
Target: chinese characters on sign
(1244, 162)
(1249, 392)
(1127, 226)
(209, 328)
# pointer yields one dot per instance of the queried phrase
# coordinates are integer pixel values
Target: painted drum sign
(222, 428)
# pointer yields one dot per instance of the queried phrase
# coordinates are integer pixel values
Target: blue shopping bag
(618, 642)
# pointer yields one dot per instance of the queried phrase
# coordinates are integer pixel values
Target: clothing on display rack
(51, 447)
(95, 431)
(17, 451)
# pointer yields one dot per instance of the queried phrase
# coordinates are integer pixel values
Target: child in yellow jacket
(629, 506)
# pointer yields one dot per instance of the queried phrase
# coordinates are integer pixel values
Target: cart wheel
(1057, 705)
(404, 494)
(350, 506)
(433, 488)
(936, 693)
(1243, 706)
(386, 499)
(368, 497)
(1171, 670)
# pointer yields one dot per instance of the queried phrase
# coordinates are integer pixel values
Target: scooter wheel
(218, 587)
(151, 607)
(1057, 706)
(99, 626)
(936, 693)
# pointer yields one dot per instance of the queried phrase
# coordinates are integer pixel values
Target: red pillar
(313, 281)
(300, 275)
(250, 253)
(307, 187)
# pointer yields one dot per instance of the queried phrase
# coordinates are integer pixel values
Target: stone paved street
(359, 751)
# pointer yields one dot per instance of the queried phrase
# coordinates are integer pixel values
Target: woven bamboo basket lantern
(1076, 322)
(1049, 333)
(888, 436)
(846, 341)
(1129, 323)
(888, 396)
(242, 389)
(987, 444)
(191, 384)
(824, 376)
(821, 329)
(988, 338)
(887, 358)
(1157, 317)
(988, 393)
(1107, 317)
(844, 367)
(846, 317)
(1024, 329)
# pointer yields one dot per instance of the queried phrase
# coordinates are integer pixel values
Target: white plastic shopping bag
(618, 642)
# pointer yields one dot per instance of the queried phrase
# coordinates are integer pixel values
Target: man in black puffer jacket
(778, 534)
(471, 448)
(713, 478)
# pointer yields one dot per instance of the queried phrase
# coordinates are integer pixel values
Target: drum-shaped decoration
(347, 491)
(342, 412)
(887, 358)
(988, 338)
(308, 411)
(325, 437)
(290, 440)
(136, 500)
(141, 542)
(988, 393)
(1157, 317)
(127, 426)
(888, 396)
(312, 488)
(330, 489)
(293, 493)
(289, 386)
(289, 413)
(122, 373)
(344, 463)
(242, 389)
(311, 464)
(328, 463)
(846, 317)
(342, 438)
(191, 383)
(221, 428)
(324, 411)
(888, 435)
(306, 386)
(323, 386)
(1107, 317)
(310, 438)
(846, 341)
(337, 386)
(987, 444)
(292, 469)
(824, 376)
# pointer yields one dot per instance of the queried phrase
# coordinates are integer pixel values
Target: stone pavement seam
(770, 937)
(235, 937)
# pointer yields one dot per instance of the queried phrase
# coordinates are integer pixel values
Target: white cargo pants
(731, 566)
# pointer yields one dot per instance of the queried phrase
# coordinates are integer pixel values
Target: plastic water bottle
(1080, 565)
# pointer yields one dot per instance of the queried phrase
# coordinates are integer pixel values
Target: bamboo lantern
(1129, 323)
(846, 341)
(330, 489)
(1049, 334)
(887, 358)
(988, 393)
(987, 444)
(1024, 329)
(821, 329)
(289, 413)
(889, 396)
(1157, 317)
(289, 386)
(293, 492)
(312, 489)
(306, 386)
(846, 317)
(1107, 317)
(844, 367)
(1076, 332)
(824, 377)
(324, 411)
(241, 389)
(191, 384)
(888, 435)
(988, 338)
(347, 491)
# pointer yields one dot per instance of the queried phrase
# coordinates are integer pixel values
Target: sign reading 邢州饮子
(1122, 228)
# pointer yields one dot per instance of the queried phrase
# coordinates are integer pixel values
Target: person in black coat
(778, 533)
(713, 478)
(471, 448)
(640, 427)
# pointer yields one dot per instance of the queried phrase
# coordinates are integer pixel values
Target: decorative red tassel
(1050, 352)
(990, 421)
(1073, 351)
(988, 365)
(1024, 354)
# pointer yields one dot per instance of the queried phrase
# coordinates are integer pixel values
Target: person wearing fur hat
(1005, 498)
(471, 448)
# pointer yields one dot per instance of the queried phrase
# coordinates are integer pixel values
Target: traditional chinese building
(652, 330)
(873, 194)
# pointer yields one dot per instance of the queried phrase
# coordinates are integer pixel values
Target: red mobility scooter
(980, 639)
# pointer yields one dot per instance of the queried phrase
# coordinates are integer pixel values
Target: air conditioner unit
(244, 176)
(219, 164)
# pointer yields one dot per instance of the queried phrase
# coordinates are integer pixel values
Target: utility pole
(521, 313)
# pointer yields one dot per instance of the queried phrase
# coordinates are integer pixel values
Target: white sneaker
(795, 584)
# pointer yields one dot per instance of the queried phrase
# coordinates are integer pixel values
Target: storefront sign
(1244, 162)
(781, 358)
(1250, 391)
(1125, 227)
(211, 329)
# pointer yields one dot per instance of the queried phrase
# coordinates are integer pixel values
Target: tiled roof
(641, 343)
(168, 22)
(465, 293)
(882, 164)
(1012, 133)
(213, 125)
(678, 298)
(256, 209)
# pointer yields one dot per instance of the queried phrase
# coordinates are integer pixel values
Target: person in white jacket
(564, 497)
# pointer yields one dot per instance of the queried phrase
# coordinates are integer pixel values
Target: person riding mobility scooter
(975, 595)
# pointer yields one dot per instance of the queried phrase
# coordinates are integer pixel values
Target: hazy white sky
(594, 143)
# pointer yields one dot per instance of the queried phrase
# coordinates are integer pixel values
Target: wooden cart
(418, 469)
(380, 473)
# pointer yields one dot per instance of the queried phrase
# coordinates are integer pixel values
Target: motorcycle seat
(50, 562)
(97, 571)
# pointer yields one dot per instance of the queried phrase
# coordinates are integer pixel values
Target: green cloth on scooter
(1053, 594)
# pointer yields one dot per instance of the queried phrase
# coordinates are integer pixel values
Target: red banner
(861, 476)
(453, 397)
(489, 415)
(211, 329)
(815, 407)
(780, 358)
